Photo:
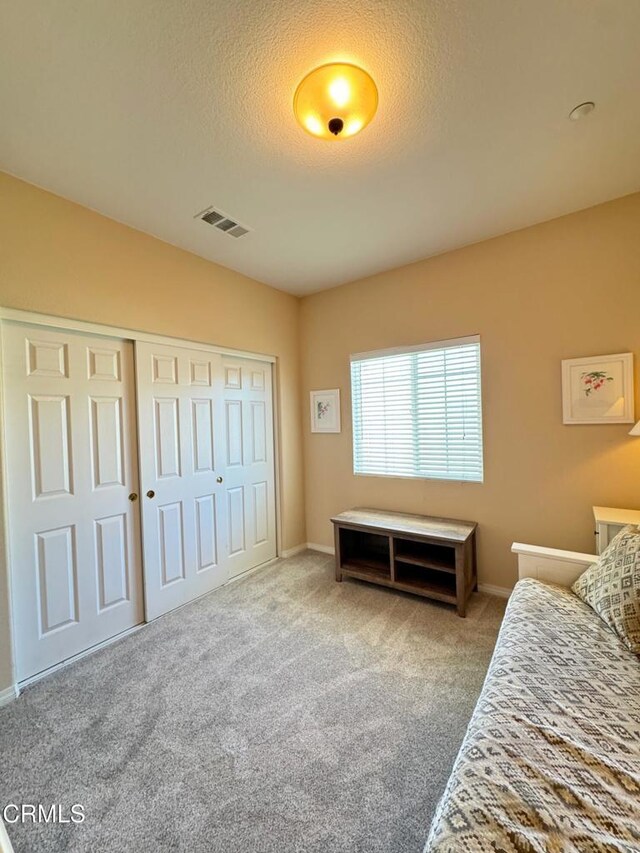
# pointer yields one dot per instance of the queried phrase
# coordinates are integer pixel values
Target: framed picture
(598, 390)
(325, 411)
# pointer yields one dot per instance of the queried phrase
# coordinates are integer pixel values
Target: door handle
(218, 479)
(133, 496)
(151, 493)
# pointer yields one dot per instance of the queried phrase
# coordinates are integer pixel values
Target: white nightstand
(609, 521)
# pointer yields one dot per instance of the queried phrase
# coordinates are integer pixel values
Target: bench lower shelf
(428, 590)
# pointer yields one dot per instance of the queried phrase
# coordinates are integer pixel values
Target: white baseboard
(324, 549)
(297, 549)
(308, 546)
(9, 694)
(490, 589)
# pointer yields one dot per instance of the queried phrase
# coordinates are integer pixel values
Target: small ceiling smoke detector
(582, 110)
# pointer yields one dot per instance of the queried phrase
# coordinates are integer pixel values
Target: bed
(551, 758)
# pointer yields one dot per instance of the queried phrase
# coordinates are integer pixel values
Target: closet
(140, 476)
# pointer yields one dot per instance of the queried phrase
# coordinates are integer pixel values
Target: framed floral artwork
(598, 390)
(325, 411)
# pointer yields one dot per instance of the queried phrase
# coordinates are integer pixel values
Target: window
(417, 412)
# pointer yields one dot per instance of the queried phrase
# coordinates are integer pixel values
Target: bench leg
(336, 537)
(474, 562)
(461, 580)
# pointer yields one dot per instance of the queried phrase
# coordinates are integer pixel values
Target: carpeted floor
(282, 713)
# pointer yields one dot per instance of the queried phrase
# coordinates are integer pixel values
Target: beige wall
(563, 289)
(59, 258)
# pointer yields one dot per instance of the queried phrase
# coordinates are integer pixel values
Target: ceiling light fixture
(582, 110)
(335, 101)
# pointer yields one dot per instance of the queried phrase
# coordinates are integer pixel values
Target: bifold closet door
(71, 471)
(249, 483)
(182, 474)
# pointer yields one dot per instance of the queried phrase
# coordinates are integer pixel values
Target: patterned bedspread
(551, 758)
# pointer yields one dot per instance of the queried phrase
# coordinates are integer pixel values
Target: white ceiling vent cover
(222, 222)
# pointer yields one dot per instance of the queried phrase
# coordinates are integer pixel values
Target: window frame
(446, 343)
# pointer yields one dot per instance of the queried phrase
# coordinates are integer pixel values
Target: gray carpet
(282, 713)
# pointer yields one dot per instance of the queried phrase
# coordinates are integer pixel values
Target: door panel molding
(206, 539)
(57, 564)
(106, 431)
(112, 560)
(171, 532)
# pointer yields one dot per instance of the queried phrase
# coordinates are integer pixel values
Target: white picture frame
(325, 410)
(598, 389)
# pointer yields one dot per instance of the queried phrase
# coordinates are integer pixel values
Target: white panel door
(71, 467)
(181, 458)
(249, 480)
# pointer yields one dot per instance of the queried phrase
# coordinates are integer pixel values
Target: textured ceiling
(150, 111)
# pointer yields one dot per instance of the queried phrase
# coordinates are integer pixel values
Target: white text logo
(38, 813)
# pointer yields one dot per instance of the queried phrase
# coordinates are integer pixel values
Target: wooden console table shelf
(433, 557)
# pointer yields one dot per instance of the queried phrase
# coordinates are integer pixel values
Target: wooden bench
(433, 557)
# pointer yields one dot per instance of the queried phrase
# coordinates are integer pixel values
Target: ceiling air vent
(222, 222)
(212, 217)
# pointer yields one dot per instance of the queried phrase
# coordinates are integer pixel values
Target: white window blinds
(418, 412)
